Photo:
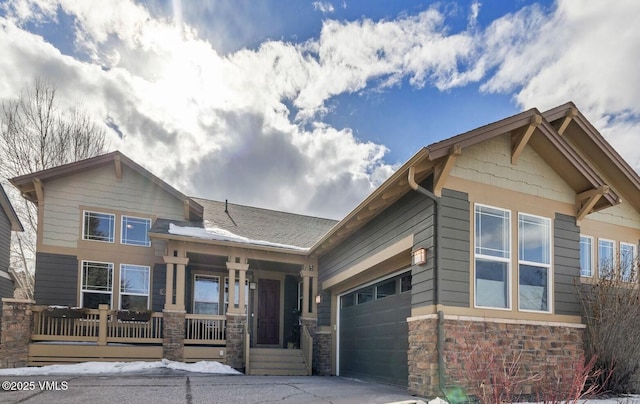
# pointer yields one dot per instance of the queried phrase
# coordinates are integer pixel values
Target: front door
(268, 311)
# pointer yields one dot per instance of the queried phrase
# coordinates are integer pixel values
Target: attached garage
(373, 331)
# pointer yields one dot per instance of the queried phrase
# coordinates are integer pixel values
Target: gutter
(437, 265)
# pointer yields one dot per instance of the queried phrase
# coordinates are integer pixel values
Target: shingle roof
(256, 223)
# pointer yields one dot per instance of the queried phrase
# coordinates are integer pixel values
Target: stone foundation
(17, 322)
(173, 330)
(322, 352)
(235, 340)
(543, 355)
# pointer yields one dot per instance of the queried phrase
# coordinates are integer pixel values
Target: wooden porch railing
(100, 326)
(205, 329)
(306, 343)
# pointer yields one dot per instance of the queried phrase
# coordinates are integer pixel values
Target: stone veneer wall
(17, 322)
(173, 335)
(322, 352)
(235, 340)
(543, 350)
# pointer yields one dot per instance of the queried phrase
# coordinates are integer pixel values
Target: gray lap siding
(566, 247)
(56, 279)
(5, 241)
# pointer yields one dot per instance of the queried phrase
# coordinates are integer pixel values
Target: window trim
(634, 248)
(549, 266)
(591, 256)
(83, 290)
(123, 226)
(613, 256)
(123, 293)
(508, 260)
(85, 236)
(194, 291)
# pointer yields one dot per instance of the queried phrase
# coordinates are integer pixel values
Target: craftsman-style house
(491, 227)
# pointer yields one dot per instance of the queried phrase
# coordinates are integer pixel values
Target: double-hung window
(135, 231)
(206, 294)
(98, 226)
(606, 259)
(134, 287)
(492, 257)
(627, 261)
(97, 283)
(586, 256)
(534, 262)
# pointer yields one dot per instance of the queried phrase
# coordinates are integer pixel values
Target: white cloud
(323, 7)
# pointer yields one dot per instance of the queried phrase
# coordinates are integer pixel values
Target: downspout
(438, 260)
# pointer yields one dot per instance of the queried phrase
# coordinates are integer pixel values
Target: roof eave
(232, 244)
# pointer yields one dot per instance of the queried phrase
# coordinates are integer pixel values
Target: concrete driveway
(180, 387)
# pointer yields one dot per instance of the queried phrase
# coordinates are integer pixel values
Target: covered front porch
(275, 308)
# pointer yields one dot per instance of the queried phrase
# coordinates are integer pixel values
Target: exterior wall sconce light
(310, 267)
(318, 299)
(419, 256)
(252, 285)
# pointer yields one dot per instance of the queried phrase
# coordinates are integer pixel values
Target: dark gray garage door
(374, 333)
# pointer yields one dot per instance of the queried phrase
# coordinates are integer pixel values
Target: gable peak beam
(585, 201)
(118, 167)
(519, 141)
(443, 169)
(38, 187)
(571, 113)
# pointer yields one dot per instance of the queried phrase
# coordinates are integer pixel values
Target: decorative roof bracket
(571, 113)
(443, 169)
(118, 167)
(519, 141)
(585, 201)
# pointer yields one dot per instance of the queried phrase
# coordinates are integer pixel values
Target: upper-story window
(492, 257)
(586, 256)
(627, 261)
(135, 231)
(534, 262)
(98, 226)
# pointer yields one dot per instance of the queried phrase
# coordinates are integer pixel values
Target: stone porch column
(236, 316)
(17, 323)
(173, 317)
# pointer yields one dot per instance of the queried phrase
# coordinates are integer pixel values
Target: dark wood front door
(268, 311)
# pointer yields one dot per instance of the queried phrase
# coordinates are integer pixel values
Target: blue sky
(308, 106)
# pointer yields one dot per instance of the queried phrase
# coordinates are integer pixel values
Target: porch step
(277, 362)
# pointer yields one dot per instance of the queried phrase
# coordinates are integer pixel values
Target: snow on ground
(216, 233)
(96, 368)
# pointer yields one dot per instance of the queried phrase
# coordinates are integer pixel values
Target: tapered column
(237, 264)
(180, 263)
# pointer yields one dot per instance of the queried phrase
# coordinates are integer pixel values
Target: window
(206, 294)
(492, 257)
(97, 284)
(134, 287)
(534, 262)
(405, 282)
(236, 299)
(98, 226)
(365, 295)
(135, 231)
(605, 257)
(586, 256)
(627, 261)
(385, 289)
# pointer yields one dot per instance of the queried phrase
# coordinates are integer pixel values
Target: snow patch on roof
(216, 233)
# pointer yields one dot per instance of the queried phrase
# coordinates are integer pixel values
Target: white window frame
(82, 285)
(122, 291)
(237, 293)
(591, 255)
(87, 237)
(634, 257)
(195, 276)
(146, 243)
(506, 260)
(548, 266)
(613, 256)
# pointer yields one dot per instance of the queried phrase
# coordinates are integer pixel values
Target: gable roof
(585, 137)
(5, 205)
(526, 128)
(27, 183)
(239, 224)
